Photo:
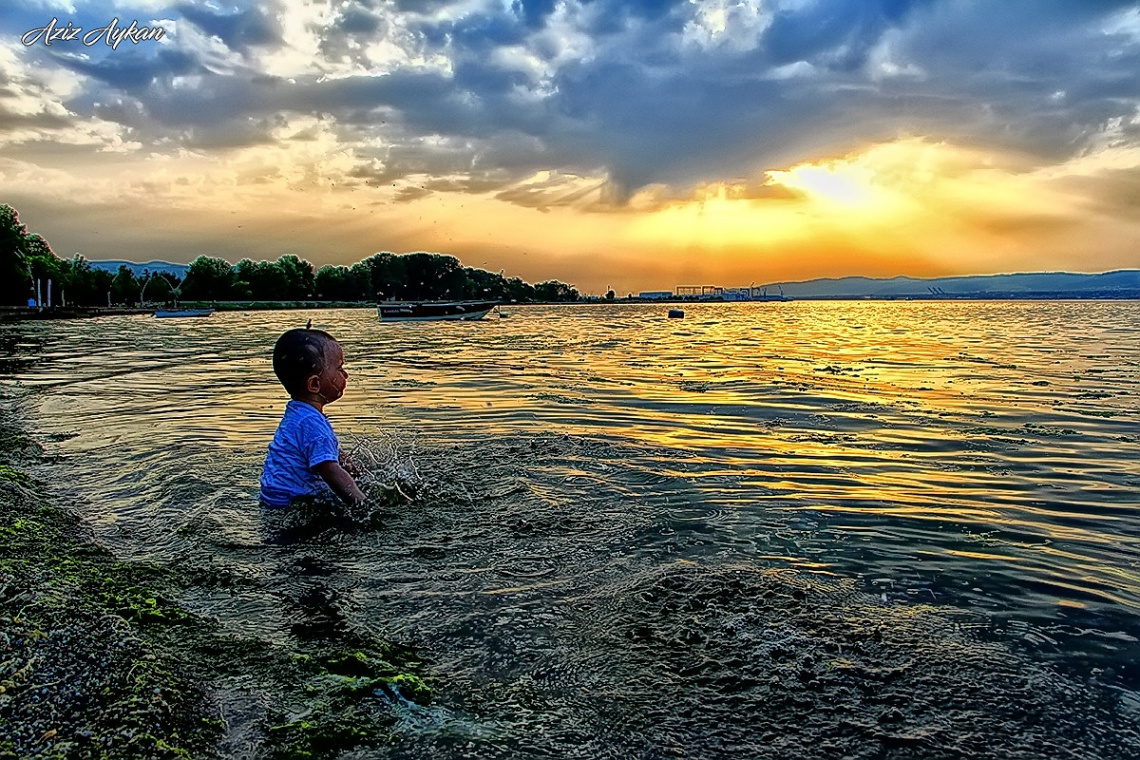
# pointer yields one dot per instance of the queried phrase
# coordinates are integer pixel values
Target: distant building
(711, 292)
(688, 292)
(655, 295)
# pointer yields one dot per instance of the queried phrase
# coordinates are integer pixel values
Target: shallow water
(642, 537)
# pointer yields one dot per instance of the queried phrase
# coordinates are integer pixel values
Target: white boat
(432, 311)
(167, 313)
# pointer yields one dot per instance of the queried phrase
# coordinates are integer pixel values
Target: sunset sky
(632, 144)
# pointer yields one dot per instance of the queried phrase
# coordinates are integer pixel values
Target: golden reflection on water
(926, 421)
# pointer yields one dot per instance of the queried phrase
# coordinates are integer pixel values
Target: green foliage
(387, 274)
(338, 283)
(266, 281)
(209, 279)
(158, 288)
(298, 277)
(553, 290)
(125, 287)
(26, 257)
(83, 284)
(415, 276)
(15, 277)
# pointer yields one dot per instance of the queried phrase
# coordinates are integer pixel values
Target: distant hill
(1124, 283)
(154, 267)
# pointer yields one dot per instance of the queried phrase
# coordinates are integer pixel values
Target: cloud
(241, 31)
(588, 104)
(132, 71)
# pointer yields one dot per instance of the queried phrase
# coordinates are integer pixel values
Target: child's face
(333, 378)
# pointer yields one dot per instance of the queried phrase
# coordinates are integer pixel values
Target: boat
(167, 313)
(431, 311)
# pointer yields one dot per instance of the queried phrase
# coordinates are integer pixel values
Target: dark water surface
(767, 530)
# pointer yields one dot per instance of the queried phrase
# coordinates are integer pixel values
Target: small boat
(167, 313)
(430, 311)
(676, 314)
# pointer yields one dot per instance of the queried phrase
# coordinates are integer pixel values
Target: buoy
(676, 314)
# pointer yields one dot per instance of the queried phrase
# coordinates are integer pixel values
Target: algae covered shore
(99, 660)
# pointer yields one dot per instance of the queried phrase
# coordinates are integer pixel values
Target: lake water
(800, 529)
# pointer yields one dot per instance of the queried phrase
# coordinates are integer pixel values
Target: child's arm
(349, 465)
(340, 481)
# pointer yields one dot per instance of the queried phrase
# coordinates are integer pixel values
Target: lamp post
(32, 300)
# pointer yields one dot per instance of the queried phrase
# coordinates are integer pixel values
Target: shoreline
(33, 313)
(102, 661)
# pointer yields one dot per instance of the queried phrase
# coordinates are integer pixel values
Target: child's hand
(349, 465)
(340, 481)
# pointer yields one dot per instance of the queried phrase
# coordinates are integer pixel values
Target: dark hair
(298, 355)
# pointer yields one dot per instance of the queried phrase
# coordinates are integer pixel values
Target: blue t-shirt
(303, 440)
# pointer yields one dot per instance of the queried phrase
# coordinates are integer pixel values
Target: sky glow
(638, 144)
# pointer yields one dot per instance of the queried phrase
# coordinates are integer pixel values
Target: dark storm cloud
(240, 31)
(615, 15)
(356, 18)
(837, 34)
(422, 6)
(1042, 83)
(344, 38)
(653, 97)
(534, 12)
(133, 70)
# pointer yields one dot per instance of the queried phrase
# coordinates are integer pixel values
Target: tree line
(26, 258)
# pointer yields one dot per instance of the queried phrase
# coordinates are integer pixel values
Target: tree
(15, 278)
(519, 291)
(267, 281)
(208, 279)
(299, 278)
(482, 284)
(430, 276)
(158, 288)
(125, 288)
(388, 275)
(85, 286)
(360, 282)
(554, 291)
(25, 257)
(331, 283)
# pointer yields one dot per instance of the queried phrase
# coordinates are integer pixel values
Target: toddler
(304, 458)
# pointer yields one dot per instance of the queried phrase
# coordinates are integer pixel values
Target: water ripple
(769, 530)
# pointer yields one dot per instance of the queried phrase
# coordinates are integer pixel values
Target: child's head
(310, 364)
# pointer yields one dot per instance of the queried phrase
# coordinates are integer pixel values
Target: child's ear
(313, 384)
